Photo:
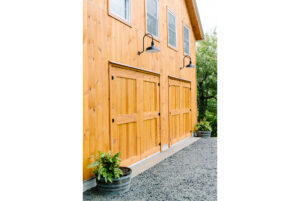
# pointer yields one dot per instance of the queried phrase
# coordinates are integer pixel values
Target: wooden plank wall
(107, 39)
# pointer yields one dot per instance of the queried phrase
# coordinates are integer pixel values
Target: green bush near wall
(206, 66)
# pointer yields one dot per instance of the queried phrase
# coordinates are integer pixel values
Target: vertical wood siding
(107, 39)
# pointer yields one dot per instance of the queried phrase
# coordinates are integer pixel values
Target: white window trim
(175, 28)
(184, 26)
(156, 37)
(118, 17)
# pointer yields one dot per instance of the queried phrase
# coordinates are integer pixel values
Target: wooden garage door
(135, 120)
(179, 110)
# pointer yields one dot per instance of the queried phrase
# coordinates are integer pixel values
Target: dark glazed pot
(204, 134)
(117, 186)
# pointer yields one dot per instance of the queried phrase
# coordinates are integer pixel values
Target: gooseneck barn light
(152, 48)
(190, 65)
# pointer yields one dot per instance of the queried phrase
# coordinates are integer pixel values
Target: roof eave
(199, 21)
(195, 19)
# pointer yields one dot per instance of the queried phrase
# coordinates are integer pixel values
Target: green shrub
(214, 126)
(203, 125)
(106, 166)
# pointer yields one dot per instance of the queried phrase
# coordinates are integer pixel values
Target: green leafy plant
(106, 166)
(207, 79)
(203, 125)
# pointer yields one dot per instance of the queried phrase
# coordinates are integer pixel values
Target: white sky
(208, 14)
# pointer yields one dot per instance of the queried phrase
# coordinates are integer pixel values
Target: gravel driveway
(190, 174)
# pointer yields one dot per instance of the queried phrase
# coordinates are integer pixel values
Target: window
(186, 36)
(171, 29)
(152, 17)
(120, 8)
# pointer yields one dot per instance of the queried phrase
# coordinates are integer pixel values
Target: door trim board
(125, 66)
(178, 78)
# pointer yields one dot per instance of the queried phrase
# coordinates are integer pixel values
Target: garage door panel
(175, 125)
(127, 135)
(179, 110)
(126, 104)
(115, 71)
(150, 115)
(186, 123)
(175, 94)
(150, 96)
(172, 100)
(150, 136)
(123, 128)
(150, 141)
(186, 97)
(150, 78)
(126, 118)
(124, 115)
(174, 112)
(125, 140)
(185, 110)
(174, 82)
(134, 102)
(185, 84)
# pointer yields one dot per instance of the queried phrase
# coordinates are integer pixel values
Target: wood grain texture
(107, 39)
(180, 125)
(134, 114)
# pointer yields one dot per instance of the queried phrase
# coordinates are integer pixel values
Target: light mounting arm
(152, 48)
(190, 65)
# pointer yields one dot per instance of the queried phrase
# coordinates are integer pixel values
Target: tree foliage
(206, 64)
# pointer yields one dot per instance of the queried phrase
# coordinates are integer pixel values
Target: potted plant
(110, 177)
(203, 129)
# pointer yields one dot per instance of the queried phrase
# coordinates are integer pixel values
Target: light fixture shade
(152, 48)
(190, 65)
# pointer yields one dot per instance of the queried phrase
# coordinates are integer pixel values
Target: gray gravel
(190, 174)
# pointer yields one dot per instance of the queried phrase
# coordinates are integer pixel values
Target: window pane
(152, 17)
(152, 25)
(186, 47)
(171, 29)
(171, 21)
(186, 34)
(120, 8)
(172, 38)
(186, 40)
(152, 7)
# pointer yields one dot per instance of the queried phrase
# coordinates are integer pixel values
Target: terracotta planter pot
(117, 186)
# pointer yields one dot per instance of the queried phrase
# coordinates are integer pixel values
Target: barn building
(134, 101)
